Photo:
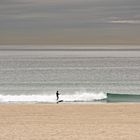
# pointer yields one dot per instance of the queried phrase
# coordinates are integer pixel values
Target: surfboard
(59, 101)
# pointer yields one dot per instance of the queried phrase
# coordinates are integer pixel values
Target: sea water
(78, 75)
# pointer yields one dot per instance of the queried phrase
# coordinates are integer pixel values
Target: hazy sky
(69, 21)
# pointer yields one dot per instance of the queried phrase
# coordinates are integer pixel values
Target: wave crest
(77, 97)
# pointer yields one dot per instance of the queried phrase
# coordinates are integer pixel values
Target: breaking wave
(77, 97)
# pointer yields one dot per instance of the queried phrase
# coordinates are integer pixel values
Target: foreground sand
(70, 122)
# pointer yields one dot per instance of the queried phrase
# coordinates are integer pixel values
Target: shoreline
(70, 103)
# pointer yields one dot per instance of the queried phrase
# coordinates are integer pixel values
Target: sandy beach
(69, 121)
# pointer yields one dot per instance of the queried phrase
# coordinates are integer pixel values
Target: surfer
(57, 98)
(57, 95)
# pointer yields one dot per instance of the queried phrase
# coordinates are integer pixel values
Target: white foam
(81, 97)
(84, 96)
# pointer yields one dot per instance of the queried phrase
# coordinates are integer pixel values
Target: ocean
(85, 75)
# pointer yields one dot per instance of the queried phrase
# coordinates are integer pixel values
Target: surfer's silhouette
(57, 95)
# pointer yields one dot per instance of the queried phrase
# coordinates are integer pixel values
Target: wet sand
(70, 122)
